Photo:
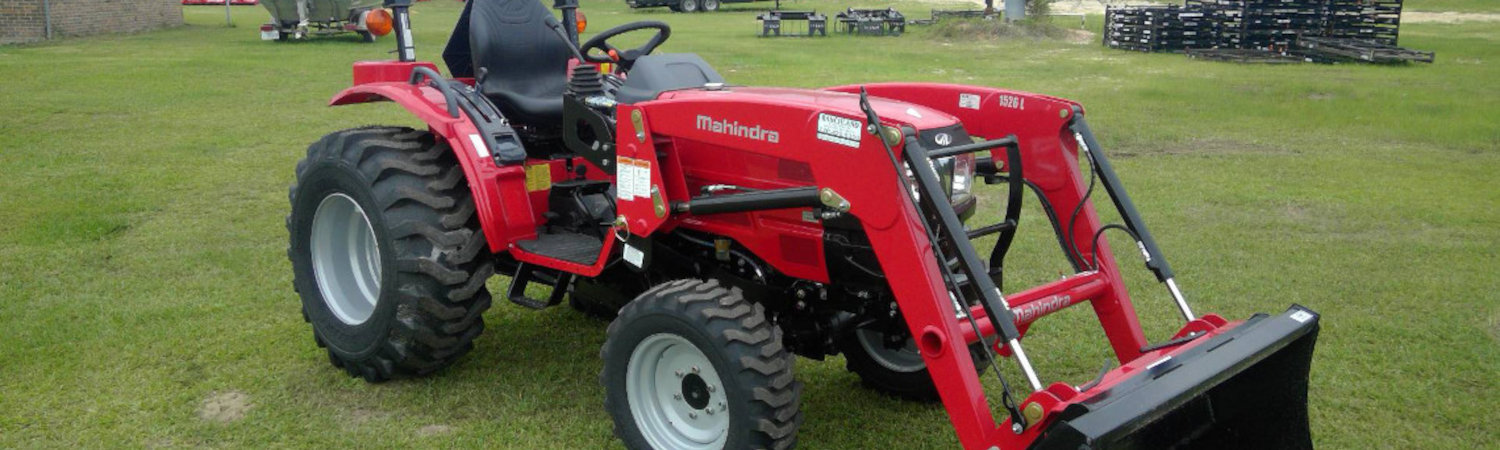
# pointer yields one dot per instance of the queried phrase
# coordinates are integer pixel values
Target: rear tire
(691, 364)
(688, 6)
(710, 5)
(899, 372)
(386, 252)
(368, 36)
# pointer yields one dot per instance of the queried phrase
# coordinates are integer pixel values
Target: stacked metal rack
(1262, 24)
(1294, 30)
(1156, 28)
(1373, 20)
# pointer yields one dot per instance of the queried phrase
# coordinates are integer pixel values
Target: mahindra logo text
(1037, 309)
(734, 128)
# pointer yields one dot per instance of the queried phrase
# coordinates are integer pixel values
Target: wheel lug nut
(710, 411)
(711, 388)
(676, 396)
(695, 369)
(692, 415)
(679, 374)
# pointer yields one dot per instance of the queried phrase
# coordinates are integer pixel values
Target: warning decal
(632, 178)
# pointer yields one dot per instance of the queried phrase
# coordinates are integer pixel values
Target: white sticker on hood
(969, 101)
(839, 130)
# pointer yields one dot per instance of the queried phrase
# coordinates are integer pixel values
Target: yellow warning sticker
(539, 177)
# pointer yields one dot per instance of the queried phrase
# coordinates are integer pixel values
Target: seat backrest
(526, 61)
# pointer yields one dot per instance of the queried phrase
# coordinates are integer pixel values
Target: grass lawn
(146, 298)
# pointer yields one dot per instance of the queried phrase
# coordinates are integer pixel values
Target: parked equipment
(878, 22)
(298, 19)
(775, 22)
(726, 228)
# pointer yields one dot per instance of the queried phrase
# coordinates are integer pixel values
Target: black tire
(744, 349)
(709, 6)
(688, 6)
(432, 255)
(892, 377)
(368, 36)
(674, 8)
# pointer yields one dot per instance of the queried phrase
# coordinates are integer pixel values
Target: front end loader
(723, 229)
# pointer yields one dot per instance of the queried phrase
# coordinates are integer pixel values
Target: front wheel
(690, 364)
(710, 5)
(688, 6)
(367, 36)
(387, 253)
(897, 370)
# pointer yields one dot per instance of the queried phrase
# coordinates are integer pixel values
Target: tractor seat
(526, 62)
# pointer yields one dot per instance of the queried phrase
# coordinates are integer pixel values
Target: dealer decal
(968, 101)
(839, 130)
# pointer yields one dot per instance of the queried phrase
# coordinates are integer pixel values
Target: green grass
(142, 264)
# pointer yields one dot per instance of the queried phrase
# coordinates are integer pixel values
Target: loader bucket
(1244, 388)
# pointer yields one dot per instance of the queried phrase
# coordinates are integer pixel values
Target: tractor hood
(919, 117)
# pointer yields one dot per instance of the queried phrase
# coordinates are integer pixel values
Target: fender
(500, 197)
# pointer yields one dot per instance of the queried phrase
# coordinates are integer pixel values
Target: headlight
(963, 174)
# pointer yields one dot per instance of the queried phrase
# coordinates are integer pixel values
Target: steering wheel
(626, 58)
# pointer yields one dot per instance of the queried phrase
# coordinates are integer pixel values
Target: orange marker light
(378, 22)
(583, 21)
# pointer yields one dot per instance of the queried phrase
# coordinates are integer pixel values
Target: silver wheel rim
(710, 4)
(345, 258)
(905, 359)
(671, 408)
(690, 5)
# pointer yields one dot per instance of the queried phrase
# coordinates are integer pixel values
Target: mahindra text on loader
(726, 228)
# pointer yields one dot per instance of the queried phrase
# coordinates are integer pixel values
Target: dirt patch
(434, 430)
(224, 407)
(1447, 17)
(1081, 36)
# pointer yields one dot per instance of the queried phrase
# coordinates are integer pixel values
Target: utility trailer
(299, 19)
(687, 6)
(722, 229)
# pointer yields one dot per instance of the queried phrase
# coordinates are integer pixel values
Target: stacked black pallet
(1371, 20)
(1262, 24)
(1156, 28)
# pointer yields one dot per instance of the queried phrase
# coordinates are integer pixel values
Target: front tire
(900, 372)
(386, 252)
(690, 364)
(710, 5)
(688, 6)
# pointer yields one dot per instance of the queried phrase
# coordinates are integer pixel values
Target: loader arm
(1050, 161)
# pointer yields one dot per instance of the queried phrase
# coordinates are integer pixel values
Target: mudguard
(501, 199)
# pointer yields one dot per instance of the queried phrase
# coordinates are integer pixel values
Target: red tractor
(726, 228)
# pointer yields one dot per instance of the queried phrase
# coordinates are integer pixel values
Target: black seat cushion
(526, 61)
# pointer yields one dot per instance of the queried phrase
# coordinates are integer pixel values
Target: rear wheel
(898, 371)
(690, 364)
(710, 5)
(386, 252)
(688, 6)
(367, 36)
